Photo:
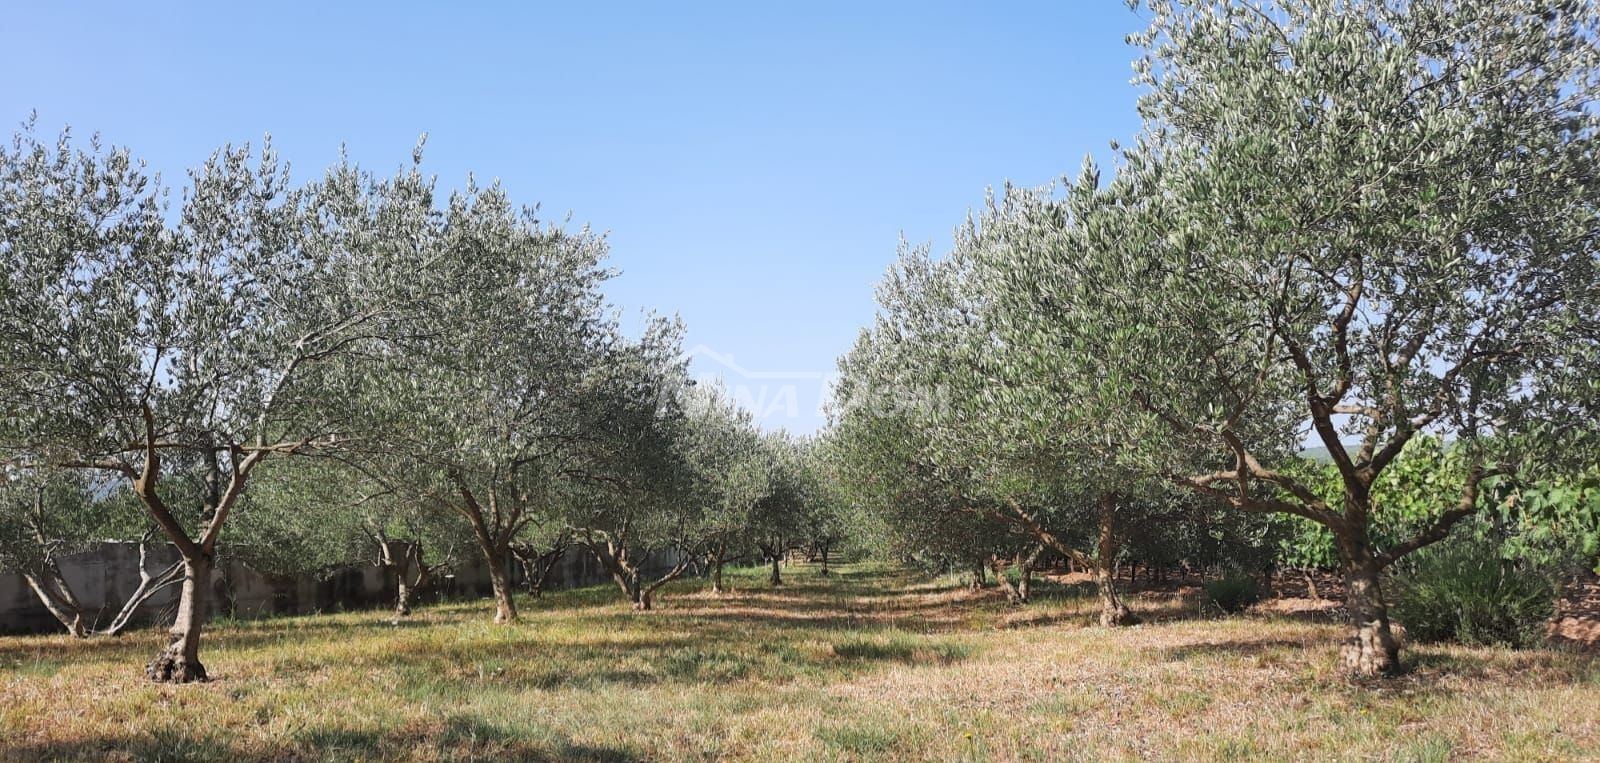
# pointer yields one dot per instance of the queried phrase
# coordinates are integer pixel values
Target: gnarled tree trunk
(403, 592)
(1012, 594)
(495, 523)
(536, 567)
(647, 592)
(1112, 611)
(180, 662)
(47, 582)
(774, 554)
(57, 596)
(149, 586)
(615, 559)
(1024, 582)
(626, 578)
(1372, 650)
(401, 557)
(1025, 566)
(1024, 561)
(718, 553)
(505, 608)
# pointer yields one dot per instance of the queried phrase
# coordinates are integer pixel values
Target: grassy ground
(867, 664)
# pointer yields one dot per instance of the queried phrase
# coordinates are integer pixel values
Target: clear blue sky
(754, 163)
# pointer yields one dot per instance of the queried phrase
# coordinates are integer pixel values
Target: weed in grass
(1062, 703)
(1428, 749)
(707, 666)
(1181, 702)
(1233, 593)
(1237, 748)
(338, 743)
(34, 668)
(868, 741)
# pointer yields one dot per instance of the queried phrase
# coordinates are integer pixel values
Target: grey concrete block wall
(20, 610)
(102, 578)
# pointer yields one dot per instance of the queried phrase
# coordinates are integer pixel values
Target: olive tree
(828, 520)
(311, 517)
(1365, 219)
(492, 405)
(299, 519)
(781, 517)
(538, 550)
(731, 473)
(878, 471)
(1015, 449)
(634, 499)
(889, 425)
(134, 346)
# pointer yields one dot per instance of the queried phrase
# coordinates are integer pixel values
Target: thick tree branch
(1466, 506)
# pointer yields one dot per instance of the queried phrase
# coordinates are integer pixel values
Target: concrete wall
(104, 577)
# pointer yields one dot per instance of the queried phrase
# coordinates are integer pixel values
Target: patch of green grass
(705, 665)
(1236, 748)
(1428, 749)
(288, 667)
(899, 647)
(868, 741)
(33, 668)
(1181, 702)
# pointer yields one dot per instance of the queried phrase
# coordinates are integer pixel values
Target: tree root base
(1368, 662)
(171, 668)
(1118, 618)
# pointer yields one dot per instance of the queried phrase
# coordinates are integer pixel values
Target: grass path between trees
(869, 663)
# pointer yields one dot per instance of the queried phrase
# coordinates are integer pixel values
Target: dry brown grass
(869, 664)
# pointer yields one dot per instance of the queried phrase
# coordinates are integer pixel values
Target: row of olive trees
(1363, 222)
(444, 371)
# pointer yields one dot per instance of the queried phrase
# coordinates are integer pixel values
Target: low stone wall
(105, 576)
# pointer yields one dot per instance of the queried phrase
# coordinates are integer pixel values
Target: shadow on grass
(1249, 648)
(695, 639)
(162, 744)
(708, 659)
(43, 656)
(900, 650)
(1426, 662)
(1427, 669)
(458, 737)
